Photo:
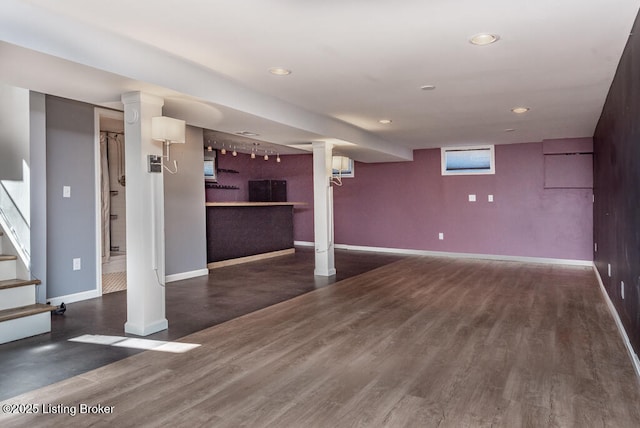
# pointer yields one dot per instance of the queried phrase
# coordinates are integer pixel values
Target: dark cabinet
(267, 191)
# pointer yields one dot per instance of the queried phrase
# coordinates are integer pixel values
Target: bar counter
(244, 231)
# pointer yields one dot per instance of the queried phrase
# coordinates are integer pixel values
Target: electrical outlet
(595, 247)
(609, 270)
(490, 198)
(472, 198)
(441, 236)
(66, 191)
(77, 264)
(622, 289)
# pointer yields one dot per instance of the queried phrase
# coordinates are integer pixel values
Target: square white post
(145, 218)
(323, 209)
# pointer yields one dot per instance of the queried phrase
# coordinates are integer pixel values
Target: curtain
(116, 154)
(106, 198)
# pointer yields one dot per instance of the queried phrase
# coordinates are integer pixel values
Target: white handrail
(15, 226)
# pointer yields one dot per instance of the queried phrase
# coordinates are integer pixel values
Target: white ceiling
(353, 62)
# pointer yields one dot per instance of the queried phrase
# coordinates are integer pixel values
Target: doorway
(112, 202)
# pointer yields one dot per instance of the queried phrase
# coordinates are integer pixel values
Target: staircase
(20, 315)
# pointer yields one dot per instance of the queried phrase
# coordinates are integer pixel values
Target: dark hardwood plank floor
(420, 342)
(192, 305)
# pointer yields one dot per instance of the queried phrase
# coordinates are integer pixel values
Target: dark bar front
(247, 230)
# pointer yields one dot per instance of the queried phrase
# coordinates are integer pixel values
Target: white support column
(145, 218)
(323, 209)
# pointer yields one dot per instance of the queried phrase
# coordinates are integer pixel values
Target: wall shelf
(220, 186)
(229, 171)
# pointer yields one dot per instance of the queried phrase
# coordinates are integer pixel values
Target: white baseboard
(91, 294)
(544, 260)
(249, 259)
(146, 330)
(186, 275)
(623, 333)
(77, 297)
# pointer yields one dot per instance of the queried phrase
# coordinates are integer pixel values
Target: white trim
(140, 330)
(492, 160)
(544, 260)
(77, 297)
(623, 333)
(98, 198)
(569, 262)
(249, 259)
(186, 275)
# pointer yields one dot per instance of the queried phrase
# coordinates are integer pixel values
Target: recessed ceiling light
(279, 71)
(483, 39)
(428, 87)
(520, 110)
(247, 133)
(385, 121)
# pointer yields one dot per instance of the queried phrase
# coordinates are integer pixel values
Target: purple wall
(406, 204)
(617, 190)
(296, 169)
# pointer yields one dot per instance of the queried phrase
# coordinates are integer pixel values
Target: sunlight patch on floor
(130, 342)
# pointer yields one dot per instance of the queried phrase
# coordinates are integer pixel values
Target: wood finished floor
(420, 342)
(192, 305)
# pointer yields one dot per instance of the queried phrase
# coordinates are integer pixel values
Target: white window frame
(488, 171)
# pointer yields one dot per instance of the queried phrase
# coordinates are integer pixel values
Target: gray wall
(185, 237)
(71, 222)
(14, 138)
(38, 191)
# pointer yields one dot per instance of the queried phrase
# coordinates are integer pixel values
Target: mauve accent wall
(406, 205)
(297, 170)
(617, 190)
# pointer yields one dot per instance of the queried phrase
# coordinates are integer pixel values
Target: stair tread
(4, 257)
(12, 283)
(25, 311)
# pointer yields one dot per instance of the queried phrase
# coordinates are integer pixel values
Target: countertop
(252, 204)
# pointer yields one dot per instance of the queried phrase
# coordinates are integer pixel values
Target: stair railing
(15, 226)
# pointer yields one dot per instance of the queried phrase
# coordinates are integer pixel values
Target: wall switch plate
(595, 247)
(441, 236)
(622, 289)
(609, 270)
(66, 191)
(490, 198)
(77, 264)
(154, 163)
(472, 198)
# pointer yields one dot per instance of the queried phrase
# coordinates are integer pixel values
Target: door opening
(113, 243)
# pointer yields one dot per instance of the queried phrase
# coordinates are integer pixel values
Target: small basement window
(470, 160)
